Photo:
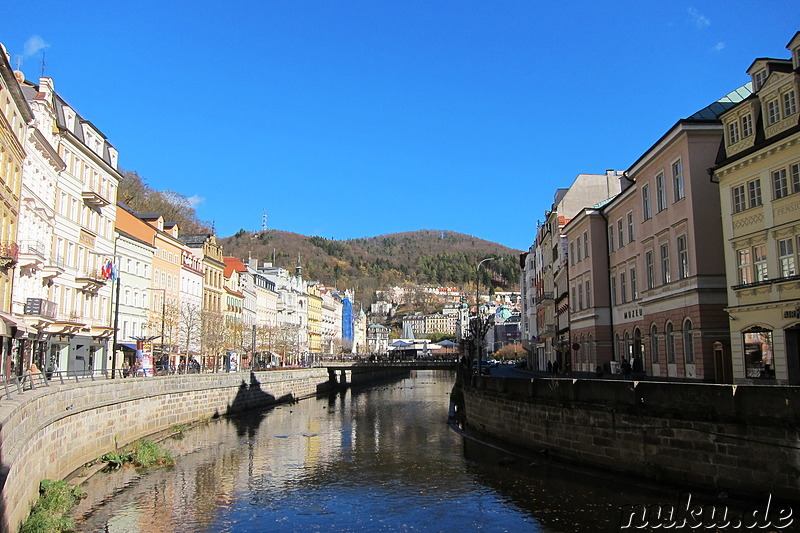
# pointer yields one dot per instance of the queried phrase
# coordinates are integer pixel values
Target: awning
(127, 345)
(10, 321)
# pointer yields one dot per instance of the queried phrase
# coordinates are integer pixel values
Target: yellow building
(14, 117)
(759, 183)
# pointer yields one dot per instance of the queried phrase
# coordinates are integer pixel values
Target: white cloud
(34, 45)
(698, 19)
(719, 46)
(195, 201)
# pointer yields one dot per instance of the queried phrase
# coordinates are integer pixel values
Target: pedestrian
(549, 367)
(626, 369)
(33, 369)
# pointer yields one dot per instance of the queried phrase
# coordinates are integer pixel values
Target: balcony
(93, 196)
(32, 253)
(40, 307)
(547, 331)
(543, 297)
(53, 268)
(9, 254)
(92, 280)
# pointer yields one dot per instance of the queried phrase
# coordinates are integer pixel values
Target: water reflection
(376, 459)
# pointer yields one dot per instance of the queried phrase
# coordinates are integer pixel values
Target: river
(381, 458)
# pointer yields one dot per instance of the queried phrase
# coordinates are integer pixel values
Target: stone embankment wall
(49, 432)
(739, 439)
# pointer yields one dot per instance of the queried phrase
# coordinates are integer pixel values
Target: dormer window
(747, 125)
(773, 111)
(789, 104)
(733, 132)
(759, 78)
(796, 57)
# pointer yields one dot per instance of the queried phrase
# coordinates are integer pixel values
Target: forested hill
(420, 257)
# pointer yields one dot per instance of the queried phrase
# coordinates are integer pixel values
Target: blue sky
(349, 119)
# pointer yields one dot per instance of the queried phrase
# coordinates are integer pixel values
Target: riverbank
(738, 440)
(51, 432)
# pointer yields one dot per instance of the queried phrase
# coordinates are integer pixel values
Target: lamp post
(116, 308)
(477, 311)
(163, 314)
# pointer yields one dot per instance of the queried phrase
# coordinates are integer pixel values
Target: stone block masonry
(740, 439)
(50, 432)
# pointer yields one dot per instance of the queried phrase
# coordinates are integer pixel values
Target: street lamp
(116, 308)
(477, 311)
(163, 314)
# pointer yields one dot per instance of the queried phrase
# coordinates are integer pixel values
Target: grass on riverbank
(51, 512)
(141, 454)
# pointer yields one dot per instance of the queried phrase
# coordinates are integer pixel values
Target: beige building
(759, 181)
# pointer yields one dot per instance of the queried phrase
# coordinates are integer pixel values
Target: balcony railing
(40, 307)
(91, 279)
(542, 298)
(9, 254)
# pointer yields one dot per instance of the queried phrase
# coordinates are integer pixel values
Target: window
(758, 353)
(786, 258)
(780, 187)
(630, 226)
(794, 170)
(585, 244)
(789, 104)
(580, 297)
(572, 253)
(743, 260)
(773, 112)
(683, 258)
(754, 193)
(648, 259)
(579, 248)
(665, 264)
(661, 194)
(623, 287)
(620, 234)
(670, 343)
(613, 290)
(654, 343)
(688, 342)
(611, 238)
(677, 180)
(573, 301)
(634, 289)
(733, 133)
(738, 199)
(747, 125)
(648, 214)
(588, 295)
(760, 262)
(760, 78)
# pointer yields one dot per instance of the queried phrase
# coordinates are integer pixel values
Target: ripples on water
(376, 459)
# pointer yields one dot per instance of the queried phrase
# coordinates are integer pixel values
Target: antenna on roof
(19, 62)
(264, 221)
(44, 64)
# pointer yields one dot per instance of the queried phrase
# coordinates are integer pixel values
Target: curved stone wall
(50, 432)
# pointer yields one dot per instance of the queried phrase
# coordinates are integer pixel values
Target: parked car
(484, 367)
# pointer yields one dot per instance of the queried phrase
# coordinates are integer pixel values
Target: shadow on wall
(251, 396)
(4, 469)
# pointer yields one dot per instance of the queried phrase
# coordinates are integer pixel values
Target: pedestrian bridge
(416, 364)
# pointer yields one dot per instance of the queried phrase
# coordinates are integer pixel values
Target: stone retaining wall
(740, 439)
(50, 432)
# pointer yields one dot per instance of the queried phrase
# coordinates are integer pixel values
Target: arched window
(670, 340)
(688, 342)
(627, 346)
(638, 355)
(654, 344)
(589, 350)
(617, 348)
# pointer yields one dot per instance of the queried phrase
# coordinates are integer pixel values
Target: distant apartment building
(545, 305)
(377, 339)
(758, 172)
